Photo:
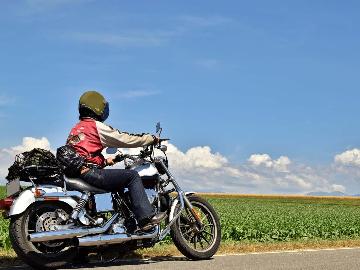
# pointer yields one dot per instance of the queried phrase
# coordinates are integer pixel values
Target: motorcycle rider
(90, 136)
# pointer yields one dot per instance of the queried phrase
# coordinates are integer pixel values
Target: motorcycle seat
(80, 185)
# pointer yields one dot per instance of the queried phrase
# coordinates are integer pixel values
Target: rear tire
(186, 240)
(27, 251)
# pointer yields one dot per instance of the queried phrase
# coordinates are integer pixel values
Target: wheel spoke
(187, 232)
(201, 243)
(184, 225)
(203, 237)
(209, 225)
(208, 233)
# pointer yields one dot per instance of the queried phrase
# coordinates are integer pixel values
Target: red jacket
(89, 137)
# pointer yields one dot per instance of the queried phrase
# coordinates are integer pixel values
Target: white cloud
(349, 158)
(201, 169)
(281, 164)
(197, 157)
(339, 188)
(28, 143)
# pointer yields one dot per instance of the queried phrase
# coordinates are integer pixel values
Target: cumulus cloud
(281, 164)
(350, 158)
(339, 188)
(29, 143)
(201, 169)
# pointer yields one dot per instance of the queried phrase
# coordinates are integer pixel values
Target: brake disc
(47, 221)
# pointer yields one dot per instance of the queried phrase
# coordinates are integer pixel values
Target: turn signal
(38, 192)
(6, 203)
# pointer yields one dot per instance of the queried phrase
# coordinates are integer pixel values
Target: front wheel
(194, 242)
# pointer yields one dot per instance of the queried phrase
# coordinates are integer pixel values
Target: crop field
(4, 224)
(275, 219)
(271, 218)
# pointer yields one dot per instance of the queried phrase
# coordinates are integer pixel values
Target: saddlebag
(70, 160)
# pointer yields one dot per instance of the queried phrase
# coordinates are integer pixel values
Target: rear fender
(175, 203)
(50, 193)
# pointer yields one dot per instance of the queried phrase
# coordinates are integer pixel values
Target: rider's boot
(149, 223)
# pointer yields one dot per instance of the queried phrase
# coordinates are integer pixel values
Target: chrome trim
(110, 239)
(70, 233)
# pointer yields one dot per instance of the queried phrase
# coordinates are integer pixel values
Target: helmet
(93, 104)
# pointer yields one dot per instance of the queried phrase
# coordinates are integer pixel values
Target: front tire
(49, 255)
(195, 243)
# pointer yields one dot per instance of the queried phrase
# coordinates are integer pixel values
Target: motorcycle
(52, 224)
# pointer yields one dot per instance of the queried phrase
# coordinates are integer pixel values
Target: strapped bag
(38, 165)
(70, 160)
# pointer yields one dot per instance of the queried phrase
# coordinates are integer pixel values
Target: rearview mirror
(158, 127)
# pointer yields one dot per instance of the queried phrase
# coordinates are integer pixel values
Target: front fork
(184, 201)
(193, 212)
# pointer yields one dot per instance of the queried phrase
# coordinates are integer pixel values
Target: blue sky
(274, 77)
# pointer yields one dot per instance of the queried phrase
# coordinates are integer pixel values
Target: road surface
(339, 259)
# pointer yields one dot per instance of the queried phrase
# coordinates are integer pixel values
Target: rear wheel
(194, 242)
(41, 217)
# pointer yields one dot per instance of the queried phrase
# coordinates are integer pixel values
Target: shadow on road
(125, 262)
(12, 263)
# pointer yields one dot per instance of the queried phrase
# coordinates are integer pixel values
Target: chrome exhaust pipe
(110, 239)
(70, 233)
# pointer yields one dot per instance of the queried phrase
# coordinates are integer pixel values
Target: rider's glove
(156, 140)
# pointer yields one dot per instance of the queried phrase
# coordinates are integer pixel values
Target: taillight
(6, 203)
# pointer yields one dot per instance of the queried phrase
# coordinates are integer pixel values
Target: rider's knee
(134, 175)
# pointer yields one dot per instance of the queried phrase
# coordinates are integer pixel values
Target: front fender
(173, 206)
(27, 197)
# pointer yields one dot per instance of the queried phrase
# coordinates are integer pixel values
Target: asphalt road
(339, 259)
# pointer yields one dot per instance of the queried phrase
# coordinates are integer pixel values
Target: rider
(90, 136)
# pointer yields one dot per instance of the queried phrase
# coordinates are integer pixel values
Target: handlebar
(118, 158)
(121, 157)
(146, 152)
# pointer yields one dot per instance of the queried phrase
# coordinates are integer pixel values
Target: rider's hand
(110, 161)
(156, 140)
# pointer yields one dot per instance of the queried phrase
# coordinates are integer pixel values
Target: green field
(276, 219)
(4, 224)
